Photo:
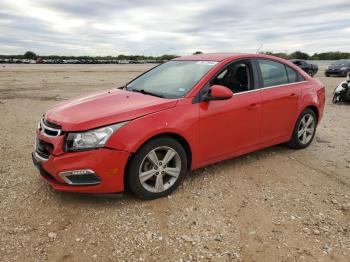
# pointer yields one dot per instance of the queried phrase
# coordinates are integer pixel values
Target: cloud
(111, 27)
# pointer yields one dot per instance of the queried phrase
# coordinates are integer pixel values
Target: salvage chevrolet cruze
(181, 115)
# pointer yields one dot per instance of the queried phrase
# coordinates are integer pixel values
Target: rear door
(280, 92)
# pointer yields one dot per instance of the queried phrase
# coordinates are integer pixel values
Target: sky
(113, 27)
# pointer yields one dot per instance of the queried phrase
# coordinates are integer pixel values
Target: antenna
(261, 45)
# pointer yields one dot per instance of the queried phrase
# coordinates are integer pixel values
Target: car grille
(43, 149)
(49, 129)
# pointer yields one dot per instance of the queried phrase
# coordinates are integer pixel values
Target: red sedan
(181, 115)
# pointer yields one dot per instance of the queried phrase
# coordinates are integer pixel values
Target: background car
(309, 68)
(338, 68)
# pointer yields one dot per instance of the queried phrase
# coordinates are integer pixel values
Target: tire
(311, 73)
(326, 75)
(147, 175)
(335, 99)
(304, 131)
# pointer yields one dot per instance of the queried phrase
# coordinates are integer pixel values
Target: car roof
(207, 57)
(218, 57)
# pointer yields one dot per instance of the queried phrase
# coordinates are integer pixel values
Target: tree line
(34, 56)
(295, 55)
(316, 56)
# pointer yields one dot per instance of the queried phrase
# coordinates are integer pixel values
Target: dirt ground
(277, 204)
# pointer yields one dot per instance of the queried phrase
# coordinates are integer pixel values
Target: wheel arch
(184, 143)
(314, 109)
(309, 99)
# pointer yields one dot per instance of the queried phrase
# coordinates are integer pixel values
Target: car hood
(104, 108)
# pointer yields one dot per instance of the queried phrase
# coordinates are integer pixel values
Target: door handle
(253, 106)
(292, 95)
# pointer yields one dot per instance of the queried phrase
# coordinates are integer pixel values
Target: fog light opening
(80, 177)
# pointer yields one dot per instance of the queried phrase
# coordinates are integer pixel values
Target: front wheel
(304, 130)
(157, 168)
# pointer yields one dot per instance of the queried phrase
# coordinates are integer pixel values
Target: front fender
(181, 120)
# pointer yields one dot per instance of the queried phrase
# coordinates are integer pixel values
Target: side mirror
(217, 92)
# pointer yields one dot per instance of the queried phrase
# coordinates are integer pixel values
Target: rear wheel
(310, 72)
(157, 168)
(304, 130)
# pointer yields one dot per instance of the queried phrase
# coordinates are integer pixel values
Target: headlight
(343, 68)
(95, 138)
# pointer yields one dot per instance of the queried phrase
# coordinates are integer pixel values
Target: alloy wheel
(306, 129)
(160, 169)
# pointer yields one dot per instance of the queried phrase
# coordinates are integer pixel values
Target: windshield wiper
(143, 91)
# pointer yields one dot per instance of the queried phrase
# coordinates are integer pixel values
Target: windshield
(173, 79)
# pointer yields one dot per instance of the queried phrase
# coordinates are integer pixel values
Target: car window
(236, 76)
(272, 73)
(292, 75)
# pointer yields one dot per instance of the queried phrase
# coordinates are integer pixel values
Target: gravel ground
(276, 204)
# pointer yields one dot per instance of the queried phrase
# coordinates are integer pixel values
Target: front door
(228, 126)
